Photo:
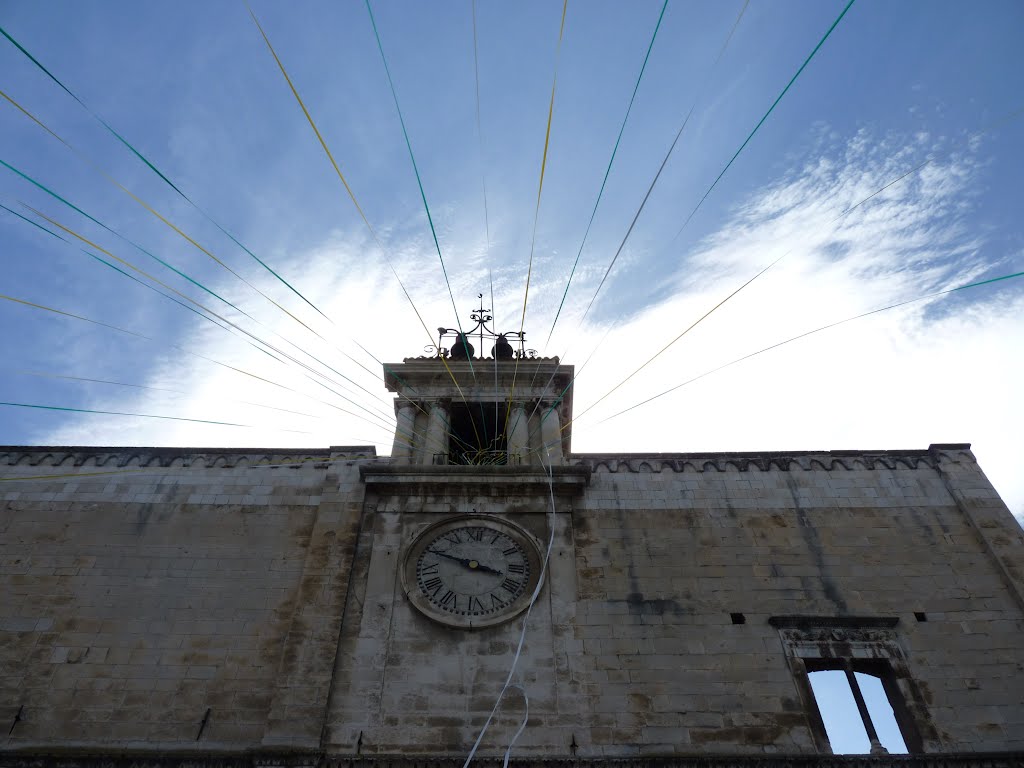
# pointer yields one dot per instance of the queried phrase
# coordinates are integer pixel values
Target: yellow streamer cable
(193, 301)
(351, 194)
(193, 354)
(149, 208)
(536, 212)
(138, 335)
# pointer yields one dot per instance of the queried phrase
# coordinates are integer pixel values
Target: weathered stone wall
(144, 591)
(132, 603)
(666, 557)
(633, 650)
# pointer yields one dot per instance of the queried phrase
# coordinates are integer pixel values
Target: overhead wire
(373, 233)
(166, 264)
(600, 193)
(149, 416)
(608, 170)
(543, 164)
(174, 269)
(664, 162)
(186, 306)
(536, 210)
(156, 213)
(707, 78)
(153, 168)
(844, 213)
(386, 426)
(426, 207)
(35, 305)
(206, 309)
(805, 334)
(480, 136)
(121, 271)
(183, 195)
(765, 117)
(487, 219)
(416, 170)
(87, 380)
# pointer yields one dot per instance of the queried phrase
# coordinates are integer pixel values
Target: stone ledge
(499, 479)
(175, 758)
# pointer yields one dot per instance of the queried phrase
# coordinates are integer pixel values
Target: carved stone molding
(975, 760)
(169, 458)
(243, 759)
(807, 461)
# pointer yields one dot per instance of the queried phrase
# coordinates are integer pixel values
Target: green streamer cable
(818, 330)
(607, 171)
(155, 170)
(416, 170)
(766, 114)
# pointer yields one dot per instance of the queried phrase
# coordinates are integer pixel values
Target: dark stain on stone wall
(813, 541)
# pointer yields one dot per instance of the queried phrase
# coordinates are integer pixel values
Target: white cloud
(900, 379)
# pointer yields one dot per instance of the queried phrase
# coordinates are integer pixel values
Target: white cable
(522, 639)
(522, 725)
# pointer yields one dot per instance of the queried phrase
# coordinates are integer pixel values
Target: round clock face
(472, 571)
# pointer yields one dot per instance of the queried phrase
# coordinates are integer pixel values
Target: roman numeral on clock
(516, 568)
(432, 586)
(512, 586)
(475, 604)
(475, 534)
(427, 570)
(448, 597)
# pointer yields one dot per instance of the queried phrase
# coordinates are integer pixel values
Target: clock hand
(488, 569)
(471, 564)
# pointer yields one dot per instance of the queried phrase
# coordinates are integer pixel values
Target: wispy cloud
(904, 378)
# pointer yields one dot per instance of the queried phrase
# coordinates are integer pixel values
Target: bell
(461, 349)
(502, 350)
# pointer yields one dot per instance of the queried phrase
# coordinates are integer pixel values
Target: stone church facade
(242, 607)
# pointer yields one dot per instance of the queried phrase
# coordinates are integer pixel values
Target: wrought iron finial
(454, 344)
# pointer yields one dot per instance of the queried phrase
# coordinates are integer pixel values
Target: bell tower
(480, 397)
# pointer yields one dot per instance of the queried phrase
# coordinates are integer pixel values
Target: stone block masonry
(686, 600)
(142, 587)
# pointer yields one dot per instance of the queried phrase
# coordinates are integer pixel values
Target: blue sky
(192, 86)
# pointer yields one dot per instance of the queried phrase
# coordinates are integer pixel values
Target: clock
(472, 571)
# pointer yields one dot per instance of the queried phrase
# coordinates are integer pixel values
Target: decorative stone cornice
(206, 458)
(974, 760)
(788, 461)
(245, 759)
(113, 457)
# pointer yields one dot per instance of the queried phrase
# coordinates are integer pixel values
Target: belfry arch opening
(478, 433)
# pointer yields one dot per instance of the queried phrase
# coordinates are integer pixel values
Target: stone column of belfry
(438, 427)
(405, 423)
(550, 434)
(518, 435)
